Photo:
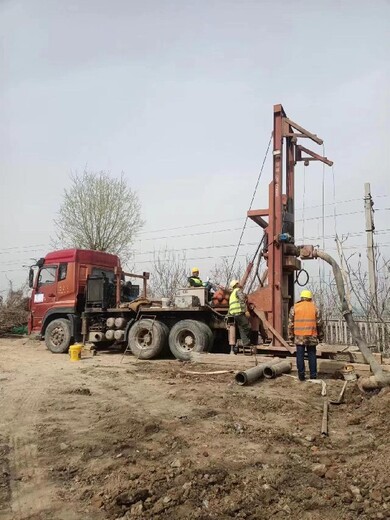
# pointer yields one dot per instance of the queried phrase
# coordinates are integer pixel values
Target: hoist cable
(323, 199)
(321, 272)
(303, 203)
(250, 207)
(258, 263)
(334, 202)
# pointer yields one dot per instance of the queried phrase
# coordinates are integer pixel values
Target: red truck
(83, 295)
(58, 293)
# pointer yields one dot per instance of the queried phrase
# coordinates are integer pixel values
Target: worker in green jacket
(194, 280)
(238, 309)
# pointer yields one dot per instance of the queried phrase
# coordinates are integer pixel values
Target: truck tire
(147, 338)
(209, 333)
(188, 336)
(57, 336)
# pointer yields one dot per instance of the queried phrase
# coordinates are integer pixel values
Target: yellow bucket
(75, 351)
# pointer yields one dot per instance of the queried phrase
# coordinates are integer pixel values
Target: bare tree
(222, 273)
(14, 309)
(374, 317)
(99, 212)
(358, 280)
(326, 295)
(169, 273)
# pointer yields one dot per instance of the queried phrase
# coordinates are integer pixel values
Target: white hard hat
(233, 283)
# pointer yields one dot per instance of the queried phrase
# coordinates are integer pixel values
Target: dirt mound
(161, 444)
(195, 465)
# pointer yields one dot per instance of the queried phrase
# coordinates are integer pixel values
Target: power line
(355, 247)
(195, 259)
(251, 227)
(191, 226)
(298, 241)
(32, 247)
(200, 233)
(18, 247)
(16, 250)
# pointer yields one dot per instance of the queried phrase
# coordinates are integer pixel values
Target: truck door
(44, 295)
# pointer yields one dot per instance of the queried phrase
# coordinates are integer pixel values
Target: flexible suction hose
(381, 378)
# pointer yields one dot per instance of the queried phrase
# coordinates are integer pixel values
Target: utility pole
(372, 279)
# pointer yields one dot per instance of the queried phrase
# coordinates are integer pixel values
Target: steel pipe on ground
(276, 370)
(251, 375)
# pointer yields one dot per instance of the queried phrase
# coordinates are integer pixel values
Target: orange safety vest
(305, 319)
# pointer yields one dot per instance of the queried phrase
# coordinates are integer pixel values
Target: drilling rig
(271, 302)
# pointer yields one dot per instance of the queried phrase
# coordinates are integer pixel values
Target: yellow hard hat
(306, 294)
(195, 270)
(233, 283)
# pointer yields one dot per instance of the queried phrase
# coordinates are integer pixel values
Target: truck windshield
(47, 276)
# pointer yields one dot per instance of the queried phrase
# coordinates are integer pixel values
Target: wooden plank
(229, 360)
(329, 366)
(353, 353)
(351, 356)
(326, 366)
(276, 334)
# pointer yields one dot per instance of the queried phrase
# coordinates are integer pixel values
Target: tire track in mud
(5, 491)
(29, 489)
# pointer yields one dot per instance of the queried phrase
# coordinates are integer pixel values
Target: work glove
(247, 314)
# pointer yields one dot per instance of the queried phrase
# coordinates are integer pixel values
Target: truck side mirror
(31, 278)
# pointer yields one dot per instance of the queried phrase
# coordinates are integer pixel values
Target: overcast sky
(178, 95)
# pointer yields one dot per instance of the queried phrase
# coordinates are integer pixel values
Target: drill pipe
(275, 370)
(251, 375)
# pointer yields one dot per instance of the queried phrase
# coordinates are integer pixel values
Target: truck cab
(58, 293)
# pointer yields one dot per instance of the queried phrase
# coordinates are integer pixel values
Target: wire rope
(303, 203)
(250, 206)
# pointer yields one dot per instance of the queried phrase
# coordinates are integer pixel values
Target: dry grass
(13, 310)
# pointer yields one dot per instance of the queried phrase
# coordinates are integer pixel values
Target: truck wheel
(210, 335)
(147, 338)
(188, 336)
(57, 336)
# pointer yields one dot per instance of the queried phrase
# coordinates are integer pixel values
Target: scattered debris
(128, 455)
(80, 391)
(319, 469)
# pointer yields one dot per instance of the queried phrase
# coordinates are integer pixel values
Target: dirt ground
(101, 439)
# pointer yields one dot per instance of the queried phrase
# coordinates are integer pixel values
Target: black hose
(299, 274)
(256, 269)
(214, 311)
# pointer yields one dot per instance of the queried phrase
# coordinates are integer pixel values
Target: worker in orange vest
(306, 330)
